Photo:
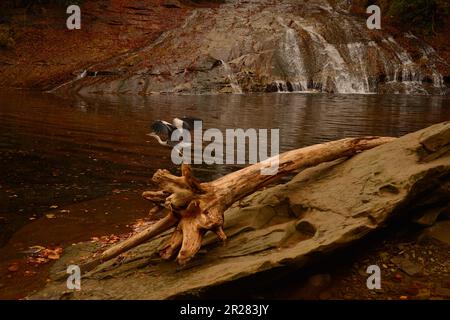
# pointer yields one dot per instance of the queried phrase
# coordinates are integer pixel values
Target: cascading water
(281, 46)
(349, 68)
(427, 51)
(293, 59)
(281, 86)
(335, 67)
(357, 51)
(231, 77)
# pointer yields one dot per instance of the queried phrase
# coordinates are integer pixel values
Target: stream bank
(322, 210)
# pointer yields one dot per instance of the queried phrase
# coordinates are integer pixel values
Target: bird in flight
(162, 130)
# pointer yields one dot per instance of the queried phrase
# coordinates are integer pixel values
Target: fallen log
(196, 208)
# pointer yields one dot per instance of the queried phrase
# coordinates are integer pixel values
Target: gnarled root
(193, 206)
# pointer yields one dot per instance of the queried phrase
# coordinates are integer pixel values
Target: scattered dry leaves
(111, 239)
(42, 255)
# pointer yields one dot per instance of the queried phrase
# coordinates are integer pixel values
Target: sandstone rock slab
(322, 209)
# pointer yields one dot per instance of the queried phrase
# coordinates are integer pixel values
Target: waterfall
(335, 66)
(293, 59)
(231, 76)
(298, 87)
(408, 68)
(438, 79)
(389, 69)
(281, 86)
(283, 47)
(411, 77)
(358, 52)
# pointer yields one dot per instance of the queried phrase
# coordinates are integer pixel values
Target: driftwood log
(195, 208)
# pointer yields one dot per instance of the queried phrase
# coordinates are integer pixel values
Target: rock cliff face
(322, 209)
(271, 46)
(44, 53)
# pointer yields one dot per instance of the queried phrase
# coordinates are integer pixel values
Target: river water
(88, 159)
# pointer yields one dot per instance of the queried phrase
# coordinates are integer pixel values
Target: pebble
(398, 277)
(407, 266)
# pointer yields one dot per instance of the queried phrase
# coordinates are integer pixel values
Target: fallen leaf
(38, 260)
(53, 256)
(13, 267)
(50, 216)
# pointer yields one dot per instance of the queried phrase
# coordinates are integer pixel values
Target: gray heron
(162, 130)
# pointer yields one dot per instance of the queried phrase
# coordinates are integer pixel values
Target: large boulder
(287, 226)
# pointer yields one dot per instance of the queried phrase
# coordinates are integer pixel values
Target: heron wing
(188, 122)
(163, 128)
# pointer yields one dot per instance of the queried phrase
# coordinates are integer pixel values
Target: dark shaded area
(423, 16)
(33, 183)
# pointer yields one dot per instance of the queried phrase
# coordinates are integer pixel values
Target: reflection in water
(57, 151)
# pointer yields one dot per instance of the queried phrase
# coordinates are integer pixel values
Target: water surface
(57, 151)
